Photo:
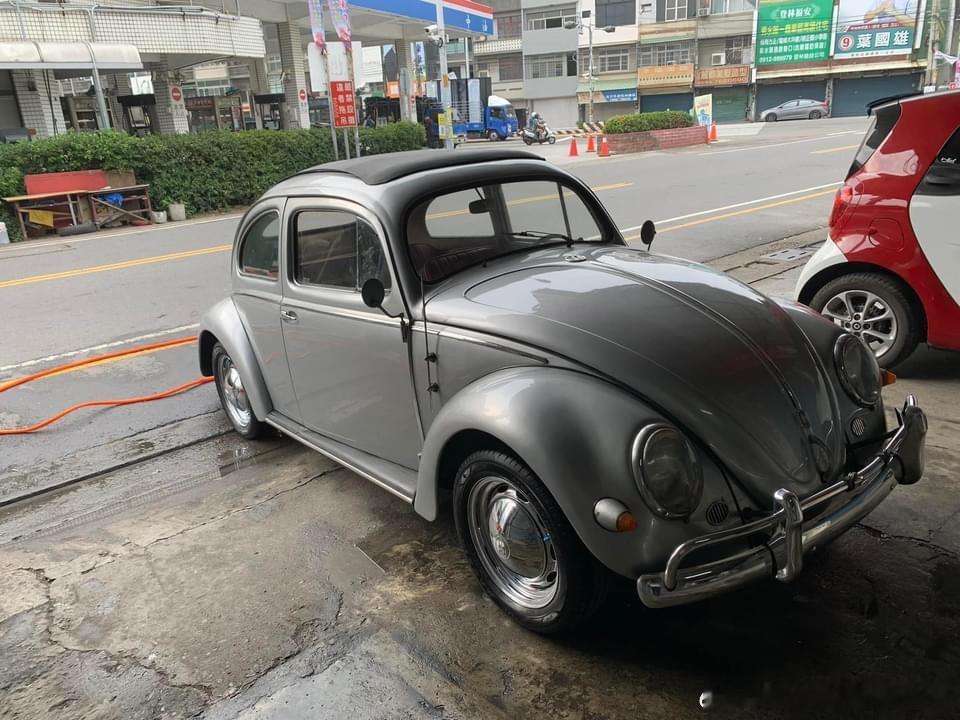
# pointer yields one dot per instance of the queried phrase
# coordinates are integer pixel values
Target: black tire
(909, 320)
(815, 114)
(493, 136)
(527, 140)
(552, 140)
(771, 117)
(252, 428)
(581, 582)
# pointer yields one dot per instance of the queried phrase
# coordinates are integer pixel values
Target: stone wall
(657, 139)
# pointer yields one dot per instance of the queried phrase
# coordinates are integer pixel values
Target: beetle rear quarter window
(259, 249)
(336, 249)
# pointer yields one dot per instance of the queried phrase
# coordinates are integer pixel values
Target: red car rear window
(881, 124)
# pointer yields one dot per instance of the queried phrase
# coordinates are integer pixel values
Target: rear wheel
(233, 396)
(521, 546)
(815, 114)
(771, 117)
(875, 309)
(552, 140)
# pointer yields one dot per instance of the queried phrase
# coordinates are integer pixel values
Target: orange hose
(102, 403)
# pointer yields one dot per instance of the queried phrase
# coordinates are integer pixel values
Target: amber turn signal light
(887, 377)
(626, 522)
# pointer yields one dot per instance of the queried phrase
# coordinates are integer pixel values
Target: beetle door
(349, 363)
(257, 296)
(934, 210)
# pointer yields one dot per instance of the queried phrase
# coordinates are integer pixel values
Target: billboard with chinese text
(793, 31)
(867, 28)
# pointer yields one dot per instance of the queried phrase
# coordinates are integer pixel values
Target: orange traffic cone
(604, 148)
(713, 132)
(574, 152)
(591, 146)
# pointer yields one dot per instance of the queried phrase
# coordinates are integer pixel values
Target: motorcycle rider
(536, 125)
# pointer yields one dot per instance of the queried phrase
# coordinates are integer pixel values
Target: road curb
(751, 266)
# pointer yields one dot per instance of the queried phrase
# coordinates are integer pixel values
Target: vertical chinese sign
(866, 28)
(789, 31)
(344, 104)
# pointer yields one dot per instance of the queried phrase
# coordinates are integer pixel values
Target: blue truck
(478, 113)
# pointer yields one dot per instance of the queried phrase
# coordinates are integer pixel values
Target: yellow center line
(114, 266)
(832, 150)
(527, 200)
(745, 211)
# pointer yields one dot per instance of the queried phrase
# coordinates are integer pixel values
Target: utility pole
(581, 25)
(933, 39)
(444, 78)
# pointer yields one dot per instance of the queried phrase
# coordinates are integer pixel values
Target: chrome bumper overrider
(900, 460)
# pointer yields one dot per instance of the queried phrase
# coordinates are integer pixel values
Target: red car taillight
(842, 202)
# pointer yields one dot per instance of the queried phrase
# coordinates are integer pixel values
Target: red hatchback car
(890, 269)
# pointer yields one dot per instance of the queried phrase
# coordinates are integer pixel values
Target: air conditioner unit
(718, 59)
(703, 12)
(483, 73)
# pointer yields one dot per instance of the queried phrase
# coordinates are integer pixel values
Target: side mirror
(648, 231)
(373, 293)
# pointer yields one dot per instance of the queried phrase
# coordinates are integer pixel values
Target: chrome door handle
(288, 316)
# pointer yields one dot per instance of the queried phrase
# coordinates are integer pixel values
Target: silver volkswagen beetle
(473, 321)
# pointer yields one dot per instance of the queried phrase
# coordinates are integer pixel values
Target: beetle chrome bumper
(900, 460)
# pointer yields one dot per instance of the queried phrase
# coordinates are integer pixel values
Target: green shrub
(641, 122)
(205, 171)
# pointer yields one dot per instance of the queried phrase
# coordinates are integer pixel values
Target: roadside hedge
(206, 171)
(641, 122)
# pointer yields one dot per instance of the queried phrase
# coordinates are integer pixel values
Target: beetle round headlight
(668, 474)
(858, 370)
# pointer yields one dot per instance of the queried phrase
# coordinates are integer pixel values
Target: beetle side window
(336, 249)
(259, 249)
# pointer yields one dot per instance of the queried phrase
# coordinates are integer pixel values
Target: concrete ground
(234, 579)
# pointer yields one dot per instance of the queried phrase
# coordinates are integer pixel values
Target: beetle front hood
(725, 362)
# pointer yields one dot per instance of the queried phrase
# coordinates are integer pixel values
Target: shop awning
(27, 55)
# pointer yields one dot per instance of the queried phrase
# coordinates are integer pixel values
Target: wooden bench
(67, 199)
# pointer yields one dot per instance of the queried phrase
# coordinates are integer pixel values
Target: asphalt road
(67, 299)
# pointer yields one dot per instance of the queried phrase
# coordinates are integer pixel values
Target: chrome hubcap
(234, 396)
(865, 315)
(514, 546)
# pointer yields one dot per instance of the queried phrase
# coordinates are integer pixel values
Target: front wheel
(875, 309)
(492, 136)
(815, 115)
(521, 546)
(233, 396)
(771, 117)
(528, 140)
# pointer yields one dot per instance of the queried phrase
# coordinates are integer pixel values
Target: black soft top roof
(379, 169)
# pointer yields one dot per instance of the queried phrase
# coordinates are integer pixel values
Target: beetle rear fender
(222, 324)
(574, 431)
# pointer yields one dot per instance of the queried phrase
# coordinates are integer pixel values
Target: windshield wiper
(547, 236)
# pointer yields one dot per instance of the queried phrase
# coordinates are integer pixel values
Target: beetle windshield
(451, 232)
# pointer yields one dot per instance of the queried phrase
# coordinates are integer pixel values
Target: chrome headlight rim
(637, 451)
(838, 356)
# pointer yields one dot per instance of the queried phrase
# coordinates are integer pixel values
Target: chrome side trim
(287, 428)
(371, 317)
(483, 342)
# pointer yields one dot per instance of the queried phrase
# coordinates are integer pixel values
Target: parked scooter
(543, 135)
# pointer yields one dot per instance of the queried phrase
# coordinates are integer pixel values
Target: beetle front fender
(574, 431)
(222, 324)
